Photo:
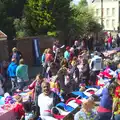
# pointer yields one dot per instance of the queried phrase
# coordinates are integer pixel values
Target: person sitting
(19, 108)
(86, 112)
(28, 111)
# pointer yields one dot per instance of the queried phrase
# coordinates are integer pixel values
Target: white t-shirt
(45, 103)
(97, 63)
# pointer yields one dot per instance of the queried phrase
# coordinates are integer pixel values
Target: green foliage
(53, 34)
(44, 16)
(82, 21)
(35, 17)
(9, 10)
(83, 3)
(20, 27)
(39, 16)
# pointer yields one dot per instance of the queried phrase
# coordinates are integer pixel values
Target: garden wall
(25, 45)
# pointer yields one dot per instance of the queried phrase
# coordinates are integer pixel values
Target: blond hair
(21, 61)
(87, 102)
(45, 51)
(14, 49)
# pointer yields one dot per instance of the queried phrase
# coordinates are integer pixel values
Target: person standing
(76, 48)
(16, 54)
(49, 57)
(67, 53)
(110, 42)
(95, 67)
(46, 101)
(12, 73)
(22, 74)
(90, 43)
(36, 87)
(118, 40)
(105, 108)
(106, 43)
(85, 72)
(116, 101)
(44, 64)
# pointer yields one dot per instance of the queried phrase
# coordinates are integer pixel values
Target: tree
(82, 21)
(9, 10)
(83, 3)
(45, 16)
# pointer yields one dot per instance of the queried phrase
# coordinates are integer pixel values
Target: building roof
(2, 35)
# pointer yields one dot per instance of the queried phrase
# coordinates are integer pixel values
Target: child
(19, 109)
(36, 87)
(28, 111)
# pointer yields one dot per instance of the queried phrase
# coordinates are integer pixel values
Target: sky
(76, 1)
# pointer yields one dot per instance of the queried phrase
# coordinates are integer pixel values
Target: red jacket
(19, 110)
(32, 87)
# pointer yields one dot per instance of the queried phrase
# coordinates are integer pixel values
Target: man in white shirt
(46, 101)
(95, 67)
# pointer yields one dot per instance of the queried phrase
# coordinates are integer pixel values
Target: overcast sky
(76, 1)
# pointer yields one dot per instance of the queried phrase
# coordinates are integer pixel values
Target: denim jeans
(109, 46)
(21, 85)
(14, 82)
(117, 117)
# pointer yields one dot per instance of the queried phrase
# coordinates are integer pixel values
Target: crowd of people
(62, 73)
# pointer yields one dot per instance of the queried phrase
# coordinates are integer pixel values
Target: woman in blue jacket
(12, 73)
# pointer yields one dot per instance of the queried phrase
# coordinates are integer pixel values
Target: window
(113, 23)
(108, 10)
(107, 23)
(113, 11)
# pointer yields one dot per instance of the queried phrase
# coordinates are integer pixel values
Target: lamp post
(102, 13)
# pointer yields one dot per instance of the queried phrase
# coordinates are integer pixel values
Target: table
(10, 115)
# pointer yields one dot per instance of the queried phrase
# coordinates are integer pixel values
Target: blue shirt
(43, 58)
(12, 69)
(106, 99)
(66, 55)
